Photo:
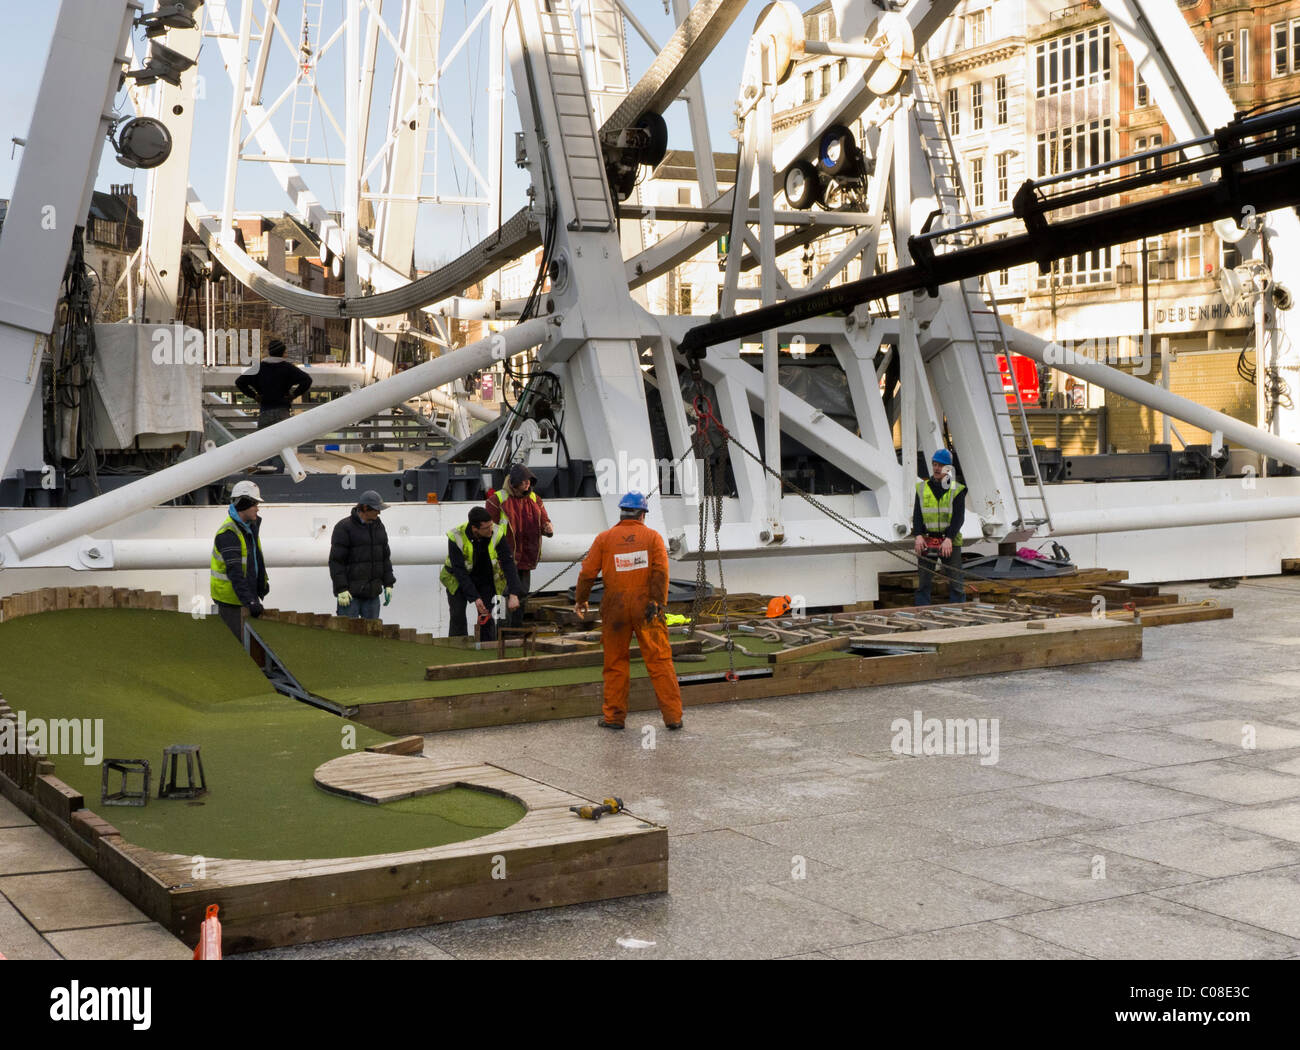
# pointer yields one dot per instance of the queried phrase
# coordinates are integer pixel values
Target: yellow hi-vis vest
(935, 511)
(222, 589)
(460, 538)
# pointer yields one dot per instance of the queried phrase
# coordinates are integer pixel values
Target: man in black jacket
(361, 564)
(274, 384)
(480, 573)
(238, 571)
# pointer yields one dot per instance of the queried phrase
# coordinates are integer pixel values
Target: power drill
(592, 812)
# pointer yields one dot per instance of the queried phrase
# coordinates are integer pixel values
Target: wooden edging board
(958, 651)
(548, 859)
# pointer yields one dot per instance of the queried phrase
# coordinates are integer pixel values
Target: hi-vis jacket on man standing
(633, 563)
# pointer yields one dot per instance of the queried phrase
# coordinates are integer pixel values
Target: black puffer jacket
(360, 561)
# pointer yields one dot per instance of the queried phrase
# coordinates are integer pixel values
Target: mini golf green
(160, 678)
(363, 669)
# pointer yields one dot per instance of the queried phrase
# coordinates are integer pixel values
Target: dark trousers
(516, 618)
(269, 417)
(233, 617)
(951, 570)
(461, 610)
(362, 608)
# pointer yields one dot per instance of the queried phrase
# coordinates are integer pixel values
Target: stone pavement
(1124, 818)
(53, 907)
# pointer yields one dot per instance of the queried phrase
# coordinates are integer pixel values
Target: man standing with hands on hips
(937, 518)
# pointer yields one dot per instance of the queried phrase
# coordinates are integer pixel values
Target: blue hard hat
(942, 456)
(633, 501)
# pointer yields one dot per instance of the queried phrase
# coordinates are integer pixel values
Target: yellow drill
(592, 812)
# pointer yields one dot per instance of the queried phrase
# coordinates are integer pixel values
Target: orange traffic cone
(209, 946)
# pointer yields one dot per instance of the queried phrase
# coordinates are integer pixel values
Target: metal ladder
(300, 119)
(584, 162)
(980, 304)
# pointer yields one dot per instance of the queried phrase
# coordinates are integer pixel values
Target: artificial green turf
(355, 669)
(159, 678)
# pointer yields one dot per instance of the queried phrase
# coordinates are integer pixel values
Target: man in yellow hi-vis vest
(238, 570)
(937, 519)
(480, 571)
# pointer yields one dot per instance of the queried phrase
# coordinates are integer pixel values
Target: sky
(442, 231)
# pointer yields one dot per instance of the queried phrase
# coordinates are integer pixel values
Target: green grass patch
(160, 678)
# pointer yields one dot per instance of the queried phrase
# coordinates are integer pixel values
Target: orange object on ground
(633, 562)
(778, 607)
(209, 947)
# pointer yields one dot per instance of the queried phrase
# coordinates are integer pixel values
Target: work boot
(672, 725)
(609, 725)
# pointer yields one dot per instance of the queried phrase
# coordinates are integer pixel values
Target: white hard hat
(246, 488)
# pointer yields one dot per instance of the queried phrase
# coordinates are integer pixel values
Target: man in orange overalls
(633, 561)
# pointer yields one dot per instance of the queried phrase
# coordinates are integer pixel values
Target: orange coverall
(633, 561)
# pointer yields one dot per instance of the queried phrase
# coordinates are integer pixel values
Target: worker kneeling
(633, 562)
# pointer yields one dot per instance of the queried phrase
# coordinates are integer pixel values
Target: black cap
(520, 473)
(275, 348)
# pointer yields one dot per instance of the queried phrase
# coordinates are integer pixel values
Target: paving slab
(1267, 899)
(13, 817)
(1044, 761)
(381, 947)
(1279, 820)
(981, 940)
(1118, 800)
(18, 940)
(66, 900)
(1153, 747)
(1200, 846)
(145, 940)
(1147, 927)
(1066, 871)
(1228, 780)
(917, 895)
(1001, 817)
(857, 841)
(710, 860)
(31, 849)
(1235, 733)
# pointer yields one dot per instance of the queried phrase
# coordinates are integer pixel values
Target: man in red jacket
(529, 522)
(633, 562)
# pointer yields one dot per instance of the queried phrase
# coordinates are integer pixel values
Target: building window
(954, 112)
(684, 300)
(684, 196)
(1073, 61)
(977, 28)
(977, 107)
(826, 81)
(842, 70)
(1086, 268)
(1243, 56)
(1286, 47)
(1225, 55)
(1002, 177)
(1004, 275)
(1142, 93)
(1229, 256)
(808, 87)
(1061, 151)
(1189, 254)
(977, 181)
(1144, 145)
(1000, 90)
(1156, 268)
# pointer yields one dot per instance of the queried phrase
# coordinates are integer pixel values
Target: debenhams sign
(1201, 314)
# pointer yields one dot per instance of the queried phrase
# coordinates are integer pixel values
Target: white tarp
(145, 383)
